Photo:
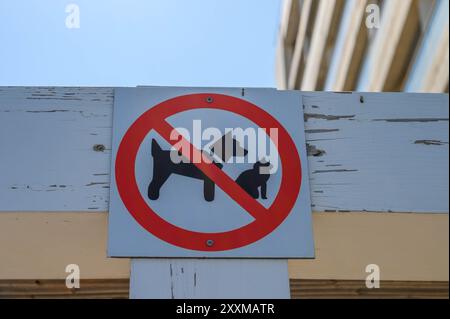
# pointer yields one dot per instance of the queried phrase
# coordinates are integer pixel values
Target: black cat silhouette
(257, 177)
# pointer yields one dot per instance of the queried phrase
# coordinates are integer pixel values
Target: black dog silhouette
(163, 167)
(252, 179)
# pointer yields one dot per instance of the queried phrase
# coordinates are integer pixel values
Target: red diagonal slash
(229, 186)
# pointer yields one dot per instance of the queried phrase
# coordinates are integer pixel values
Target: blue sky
(138, 42)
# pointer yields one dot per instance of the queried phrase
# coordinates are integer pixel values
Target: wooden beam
(367, 149)
(419, 243)
(391, 240)
(59, 154)
(56, 146)
(321, 30)
(56, 288)
(209, 278)
(429, 72)
(388, 40)
(300, 289)
(356, 289)
(347, 46)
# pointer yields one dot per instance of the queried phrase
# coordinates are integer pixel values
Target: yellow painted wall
(406, 246)
(39, 245)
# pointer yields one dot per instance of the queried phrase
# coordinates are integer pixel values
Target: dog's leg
(264, 190)
(161, 171)
(208, 189)
(155, 185)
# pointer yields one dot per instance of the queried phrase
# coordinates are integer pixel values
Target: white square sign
(209, 172)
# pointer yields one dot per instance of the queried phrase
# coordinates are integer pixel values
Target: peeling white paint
(364, 152)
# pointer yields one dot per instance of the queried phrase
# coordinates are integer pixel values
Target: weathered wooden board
(300, 288)
(378, 152)
(47, 139)
(386, 153)
(209, 278)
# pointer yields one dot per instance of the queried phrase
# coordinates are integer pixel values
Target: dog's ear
(264, 161)
(238, 150)
(226, 147)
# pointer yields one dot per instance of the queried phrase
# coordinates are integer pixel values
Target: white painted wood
(378, 152)
(389, 153)
(382, 51)
(47, 137)
(209, 278)
(429, 72)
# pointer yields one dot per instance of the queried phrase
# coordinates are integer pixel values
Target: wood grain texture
(300, 289)
(209, 278)
(356, 289)
(378, 152)
(386, 153)
(47, 139)
(56, 288)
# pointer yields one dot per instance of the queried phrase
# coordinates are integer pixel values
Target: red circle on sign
(266, 221)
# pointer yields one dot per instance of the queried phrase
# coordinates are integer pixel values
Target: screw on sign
(266, 220)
